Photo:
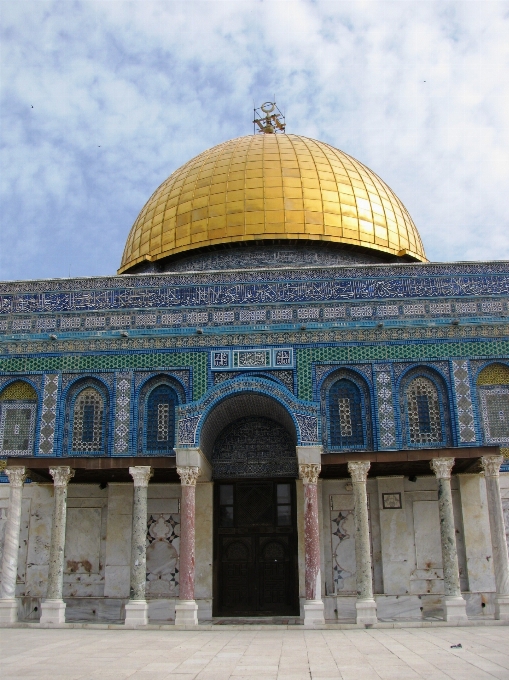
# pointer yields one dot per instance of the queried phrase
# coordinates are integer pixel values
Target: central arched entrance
(251, 439)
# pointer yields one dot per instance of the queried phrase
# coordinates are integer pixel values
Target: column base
(8, 611)
(186, 613)
(136, 613)
(366, 612)
(455, 609)
(502, 607)
(314, 613)
(52, 612)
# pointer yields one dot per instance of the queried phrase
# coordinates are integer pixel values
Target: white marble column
(454, 604)
(136, 610)
(491, 466)
(313, 606)
(365, 605)
(53, 607)
(186, 610)
(8, 603)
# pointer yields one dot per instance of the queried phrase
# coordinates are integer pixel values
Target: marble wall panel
(85, 541)
(118, 540)
(163, 541)
(41, 516)
(204, 538)
(428, 550)
(479, 552)
(397, 538)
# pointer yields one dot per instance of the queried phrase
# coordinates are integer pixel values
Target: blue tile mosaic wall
(209, 332)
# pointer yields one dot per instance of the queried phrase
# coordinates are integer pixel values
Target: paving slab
(255, 653)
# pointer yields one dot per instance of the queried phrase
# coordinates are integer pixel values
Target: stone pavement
(392, 654)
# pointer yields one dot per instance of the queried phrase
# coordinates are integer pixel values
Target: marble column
(491, 466)
(186, 611)
(136, 610)
(313, 606)
(365, 604)
(8, 603)
(53, 607)
(454, 604)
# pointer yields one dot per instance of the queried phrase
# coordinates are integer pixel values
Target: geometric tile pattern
(386, 420)
(87, 363)
(163, 547)
(463, 396)
(122, 413)
(48, 414)
(387, 352)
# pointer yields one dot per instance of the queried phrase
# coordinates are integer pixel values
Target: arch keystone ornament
(186, 611)
(454, 604)
(491, 466)
(309, 458)
(365, 604)
(53, 607)
(136, 610)
(8, 604)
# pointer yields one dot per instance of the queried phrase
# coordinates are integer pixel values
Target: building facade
(277, 408)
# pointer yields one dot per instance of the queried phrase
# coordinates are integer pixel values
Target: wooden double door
(255, 548)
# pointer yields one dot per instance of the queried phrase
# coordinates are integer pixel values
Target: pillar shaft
(141, 476)
(187, 542)
(61, 478)
(365, 605)
(53, 607)
(455, 605)
(359, 473)
(16, 477)
(186, 612)
(491, 466)
(136, 610)
(8, 604)
(309, 475)
(442, 468)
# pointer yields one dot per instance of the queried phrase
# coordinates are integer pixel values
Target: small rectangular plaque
(391, 501)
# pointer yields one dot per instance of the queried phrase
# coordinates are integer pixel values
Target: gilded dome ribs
(271, 188)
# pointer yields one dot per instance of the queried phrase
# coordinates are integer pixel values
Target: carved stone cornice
(309, 472)
(491, 465)
(61, 475)
(442, 467)
(188, 475)
(17, 475)
(358, 470)
(141, 474)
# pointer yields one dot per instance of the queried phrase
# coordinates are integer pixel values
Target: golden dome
(271, 187)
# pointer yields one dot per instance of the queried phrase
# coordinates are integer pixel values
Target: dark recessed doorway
(255, 548)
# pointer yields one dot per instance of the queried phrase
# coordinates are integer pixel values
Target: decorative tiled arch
(359, 376)
(303, 414)
(441, 382)
(149, 382)
(68, 398)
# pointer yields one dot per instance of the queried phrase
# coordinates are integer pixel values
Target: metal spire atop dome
(269, 119)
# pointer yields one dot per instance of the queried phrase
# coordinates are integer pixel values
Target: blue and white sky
(101, 101)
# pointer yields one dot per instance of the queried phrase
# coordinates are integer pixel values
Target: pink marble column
(313, 607)
(186, 611)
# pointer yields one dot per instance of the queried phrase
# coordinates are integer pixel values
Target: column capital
(309, 472)
(442, 467)
(188, 475)
(17, 476)
(491, 465)
(141, 474)
(358, 470)
(61, 475)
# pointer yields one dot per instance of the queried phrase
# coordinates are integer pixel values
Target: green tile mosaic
(348, 353)
(157, 360)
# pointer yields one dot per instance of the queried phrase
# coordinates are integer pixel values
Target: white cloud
(125, 92)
